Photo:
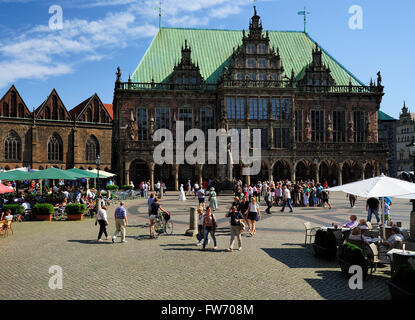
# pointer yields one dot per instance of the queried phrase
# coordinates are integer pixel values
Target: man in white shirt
(195, 189)
(286, 194)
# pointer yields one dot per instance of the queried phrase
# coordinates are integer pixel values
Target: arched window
(89, 115)
(96, 111)
(92, 149)
(55, 107)
(55, 148)
(47, 112)
(21, 111)
(61, 114)
(12, 147)
(5, 109)
(13, 111)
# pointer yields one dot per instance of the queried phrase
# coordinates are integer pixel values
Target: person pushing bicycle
(154, 213)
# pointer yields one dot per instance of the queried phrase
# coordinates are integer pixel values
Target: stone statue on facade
(132, 128)
(118, 74)
(350, 131)
(329, 129)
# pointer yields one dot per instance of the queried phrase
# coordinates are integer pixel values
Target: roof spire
(304, 13)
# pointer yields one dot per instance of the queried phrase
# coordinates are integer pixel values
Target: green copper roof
(212, 50)
(384, 117)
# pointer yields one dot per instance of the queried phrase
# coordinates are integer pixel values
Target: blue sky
(99, 35)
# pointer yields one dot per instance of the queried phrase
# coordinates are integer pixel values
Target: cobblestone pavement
(274, 264)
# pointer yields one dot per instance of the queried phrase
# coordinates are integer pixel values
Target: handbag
(242, 226)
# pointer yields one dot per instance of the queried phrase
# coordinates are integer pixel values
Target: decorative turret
(255, 26)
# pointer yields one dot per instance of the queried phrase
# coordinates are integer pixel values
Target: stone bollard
(192, 231)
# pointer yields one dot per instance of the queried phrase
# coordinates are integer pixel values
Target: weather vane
(159, 10)
(304, 13)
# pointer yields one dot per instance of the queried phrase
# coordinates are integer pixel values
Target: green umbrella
(15, 175)
(52, 173)
(82, 173)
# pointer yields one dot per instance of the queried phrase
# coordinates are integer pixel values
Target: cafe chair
(374, 263)
(409, 246)
(310, 231)
(397, 260)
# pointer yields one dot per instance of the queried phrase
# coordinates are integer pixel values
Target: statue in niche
(133, 128)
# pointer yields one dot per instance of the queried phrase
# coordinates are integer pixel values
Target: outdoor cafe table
(407, 253)
(333, 229)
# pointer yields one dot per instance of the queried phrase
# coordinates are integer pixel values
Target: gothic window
(55, 107)
(5, 109)
(186, 115)
(235, 108)
(251, 63)
(142, 123)
(262, 76)
(179, 80)
(13, 109)
(239, 76)
(317, 126)
(12, 147)
(262, 63)
(274, 77)
(240, 108)
(92, 149)
(206, 119)
(96, 111)
(47, 112)
(253, 108)
(276, 108)
(21, 111)
(162, 118)
(61, 114)
(262, 48)
(252, 76)
(282, 138)
(263, 108)
(339, 126)
(299, 125)
(359, 126)
(264, 137)
(89, 115)
(258, 109)
(285, 109)
(280, 108)
(55, 148)
(250, 48)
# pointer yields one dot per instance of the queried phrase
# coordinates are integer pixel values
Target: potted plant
(43, 211)
(75, 211)
(126, 187)
(14, 208)
(112, 187)
(325, 244)
(350, 255)
(402, 284)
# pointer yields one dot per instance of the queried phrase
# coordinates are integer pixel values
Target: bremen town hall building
(317, 120)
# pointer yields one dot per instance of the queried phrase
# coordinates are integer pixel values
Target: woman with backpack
(209, 227)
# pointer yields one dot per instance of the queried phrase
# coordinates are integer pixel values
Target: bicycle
(59, 214)
(162, 225)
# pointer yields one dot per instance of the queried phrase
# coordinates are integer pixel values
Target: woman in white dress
(182, 196)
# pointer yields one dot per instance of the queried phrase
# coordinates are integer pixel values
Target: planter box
(324, 252)
(398, 293)
(43, 217)
(345, 266)
(74, 217)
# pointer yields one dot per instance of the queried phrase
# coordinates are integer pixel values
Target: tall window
(282, 138)
(13, 111)
(5, 109)
(47, 112)
(21, 111)
(262, 48)
(250, 48)
(258, 108)
(89, 115)
(96, 111)
(276, 108)
(251, 63)
(262, 63)
(264, 137)
(61, 114)
(206, 119)
(285, 109)
(280, 108)
(142, 123)
(186, 115)
(359, 126)
(339, 126)
(235, 107)
(162, 118)
(230, 107)
(299, 125)
(55, 148)
(92, 149)
(317, 125)
(12, 147)
(55, 108)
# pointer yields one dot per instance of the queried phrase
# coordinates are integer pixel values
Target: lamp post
(411, 149)
(315, 162)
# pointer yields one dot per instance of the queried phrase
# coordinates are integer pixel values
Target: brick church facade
(52, 136)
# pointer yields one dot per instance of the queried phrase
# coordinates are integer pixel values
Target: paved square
(274, 264)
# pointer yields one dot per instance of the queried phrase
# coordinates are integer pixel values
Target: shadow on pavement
(334, 286)
(299, 258)
(91, 241)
